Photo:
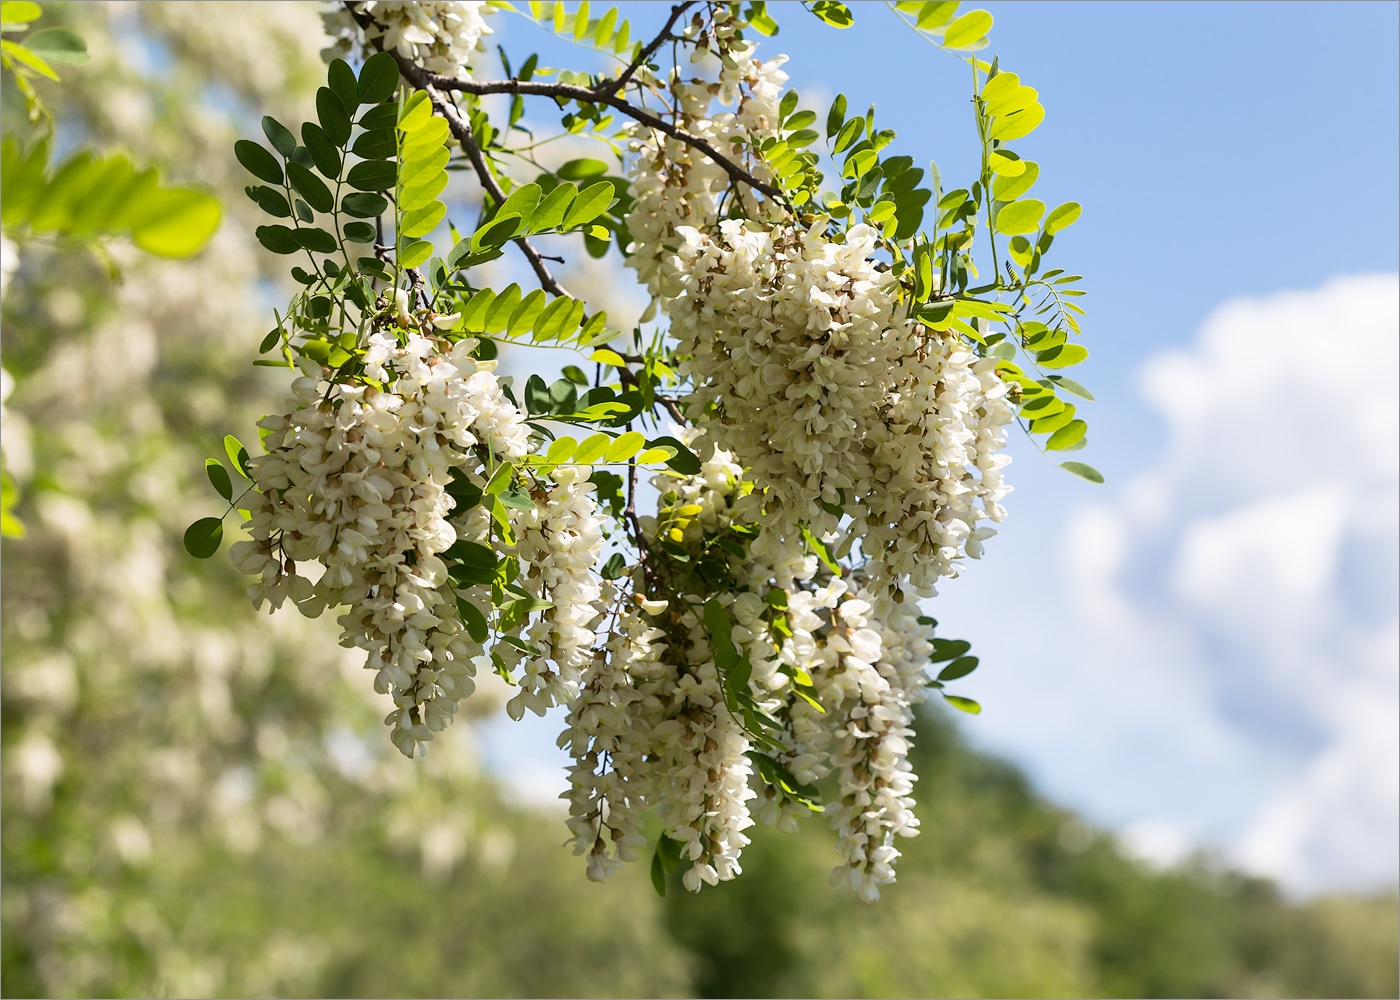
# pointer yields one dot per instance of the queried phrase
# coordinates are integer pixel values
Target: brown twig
(613, 86)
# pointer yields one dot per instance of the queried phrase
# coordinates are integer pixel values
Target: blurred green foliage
(195, 799)
(1003, 894)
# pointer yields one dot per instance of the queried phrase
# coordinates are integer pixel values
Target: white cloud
(1249, 577)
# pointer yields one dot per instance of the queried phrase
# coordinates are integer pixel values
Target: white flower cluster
(652, 725)
(805, 367)
(355, 479)
(558, 545)
(674, 184)
(439, 35)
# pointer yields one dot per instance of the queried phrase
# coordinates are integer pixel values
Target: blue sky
(1155, 650)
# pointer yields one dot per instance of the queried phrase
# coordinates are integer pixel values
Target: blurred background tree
(197, 800)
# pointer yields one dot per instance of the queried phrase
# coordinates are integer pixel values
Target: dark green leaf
(376, 145)
(279, 135)
(310, 187)
(495, 233)
(379, 77)
(278, 239)
(658, 877)
(359, 232)
(960, 667)
(202, 538)
(270, 201)
(323, 152)
(333, 117)
(342, 80)
(270, 341)
(836, 117)
(315, 239)
(473, 619)
(364, 206)
(948, 649)
(373, 175)
(685, 461)
(258, 161)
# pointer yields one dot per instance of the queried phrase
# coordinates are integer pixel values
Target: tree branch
(576, 93)
(613, 86)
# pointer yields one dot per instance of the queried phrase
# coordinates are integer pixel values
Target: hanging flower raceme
(750, 652)
(355, 479)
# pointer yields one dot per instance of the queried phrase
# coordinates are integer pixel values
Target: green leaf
(963, 704)
(823, 553)
(237, 454)
(1083, 471)
(372, 175)
(848, 135)
(14, 50)
(1069, 385)
(342, 82)
(364, 206)
(500, 479)
(473, 619)
(574, 373)
(658, 877)
(550, 211)
(517, 499)
(935, 13)
(1053, 422)
(967, 30)
(1062, 356)
(591, 449)
(522, 319)
(379, 78)
(379, 144)
(1063, 217)
(834, 13)
(17, 13)
(495, 233)
(279, 135)
(1020, 217)
(324, 154)
(1009, 188)
(422, 221)
(1017, 124)
(1068, 436)
(258, 161)
(836, 117)
(591, 202)
(202, 538)
(310, 187)
(577, 170)
(960, 667)
(278, 239)
(315, 240)
(333, 117)
(359, 232)
(415, 253)
(218, 477)
(58, 45)
(625, 446)
(948, 649)
(686, 462)
(174, 222)
(522, 201)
